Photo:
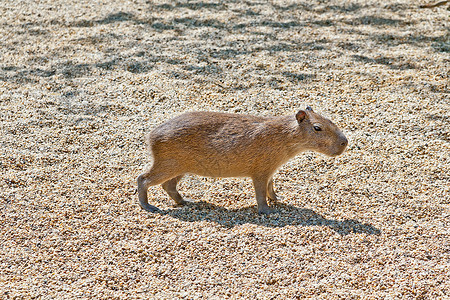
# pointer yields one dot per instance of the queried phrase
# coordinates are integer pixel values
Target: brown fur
(230, 145)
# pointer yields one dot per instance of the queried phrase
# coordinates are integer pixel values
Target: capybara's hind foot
(180, 203)
(149, 208)
(183, 202)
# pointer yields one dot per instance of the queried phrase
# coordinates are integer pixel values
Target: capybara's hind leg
(153, 177)
(270, 192)
(170, 186)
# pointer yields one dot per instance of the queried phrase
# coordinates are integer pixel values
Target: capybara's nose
(344, 142)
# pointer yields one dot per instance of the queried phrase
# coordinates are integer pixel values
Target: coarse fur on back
(232, 145)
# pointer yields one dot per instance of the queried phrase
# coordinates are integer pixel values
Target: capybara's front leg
(270, 192)
(260, 183)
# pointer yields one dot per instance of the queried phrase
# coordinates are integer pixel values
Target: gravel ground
(81, 82)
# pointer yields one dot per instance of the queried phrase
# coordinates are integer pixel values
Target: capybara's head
(320, 134)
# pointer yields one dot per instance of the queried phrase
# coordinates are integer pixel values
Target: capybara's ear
(309, 108)
(300, 116)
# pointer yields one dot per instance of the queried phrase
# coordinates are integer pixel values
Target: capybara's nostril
(344, 142)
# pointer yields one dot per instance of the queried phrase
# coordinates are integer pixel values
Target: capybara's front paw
(265, 210)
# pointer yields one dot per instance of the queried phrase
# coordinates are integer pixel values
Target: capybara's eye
(317, 128)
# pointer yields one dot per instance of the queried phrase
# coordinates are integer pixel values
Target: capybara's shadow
(284, 215)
